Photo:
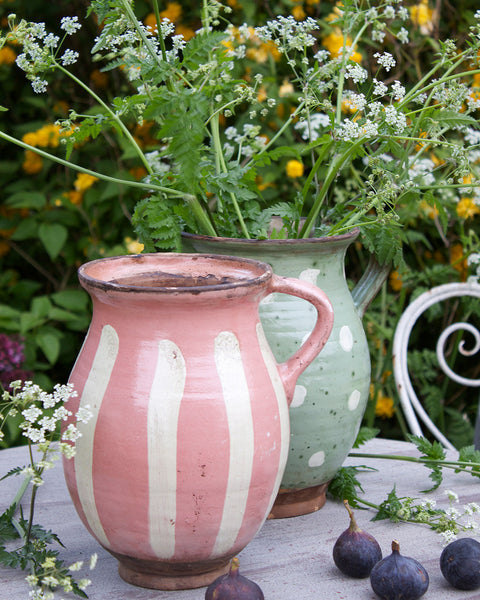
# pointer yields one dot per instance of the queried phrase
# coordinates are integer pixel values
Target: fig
(460, 564)
(356, 552)
(398, 577)
(233, 586)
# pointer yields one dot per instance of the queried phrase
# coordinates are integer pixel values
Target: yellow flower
(30, 138)
(173, 12)
(33, 163)
(150, 22)
(458, 260)
(51, 134)
(7, 56)
(298, 13)
(286, 89)
(422, 16)
(333, 42)
(294, 168)
(138, 172)
(466, 208)
(133, 246)
(430, 211)
(186, 32)
(349, 106)
(84, 181)
(263, 51)
(384, 407)
(262, 94)
(74, 196)
(48, 135)
(395, 281)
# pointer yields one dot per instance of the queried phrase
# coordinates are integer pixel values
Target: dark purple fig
(460, 564)
(233, 586)
(398, 577)
(356, 552)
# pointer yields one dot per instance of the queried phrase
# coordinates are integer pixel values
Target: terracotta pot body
(182, 460)
(332, 393)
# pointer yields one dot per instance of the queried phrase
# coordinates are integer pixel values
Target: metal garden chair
(413, 409)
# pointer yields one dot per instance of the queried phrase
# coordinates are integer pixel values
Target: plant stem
(112, 114)
(214, 125)
(450, 464)
(335, 167)
(75, 167)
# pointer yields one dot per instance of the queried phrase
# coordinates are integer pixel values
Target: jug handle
(308, 351)
(369, 284)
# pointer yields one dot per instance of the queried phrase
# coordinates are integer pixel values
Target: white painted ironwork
(411, 405)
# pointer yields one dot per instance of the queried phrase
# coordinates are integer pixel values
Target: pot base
(160, 575)
(293, 503)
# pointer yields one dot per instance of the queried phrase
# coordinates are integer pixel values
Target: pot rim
(349, 236)
(251, 273)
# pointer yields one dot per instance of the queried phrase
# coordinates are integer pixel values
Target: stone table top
(289, 558)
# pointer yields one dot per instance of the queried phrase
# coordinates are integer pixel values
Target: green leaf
(7, 312)
(389, 508)
(58, 314)
(32, 200)
(452, 118)
(49, 344)
(469, 454)
(432, 450)
(345, 484)
(29, 321)
(41, 306)
(27, 229)
(74, 300)
(365, 434)
(53, 237)
(428, 449)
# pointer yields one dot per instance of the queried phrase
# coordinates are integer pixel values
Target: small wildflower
(76, 566)
(294, 169)
(84, 181)
(386, 60)
(70, 25)
(452, 496)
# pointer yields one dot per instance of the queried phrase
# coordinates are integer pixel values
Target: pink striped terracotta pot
(180, 464)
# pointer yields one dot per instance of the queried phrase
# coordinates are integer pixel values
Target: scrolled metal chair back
(411, 405)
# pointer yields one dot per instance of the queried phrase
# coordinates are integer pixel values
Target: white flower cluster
(456, 518)
(40, 50)
(43, 412)
(288, 33)
(54, 576)
(248, 142)
(386, 60)
(311, 128)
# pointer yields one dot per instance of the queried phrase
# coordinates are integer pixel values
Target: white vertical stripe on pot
(92, 396)
(279, 389)
(236, 395)
(163, 409)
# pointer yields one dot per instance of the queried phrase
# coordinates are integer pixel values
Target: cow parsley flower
(70, 25)
(385, 60)
(69, 57)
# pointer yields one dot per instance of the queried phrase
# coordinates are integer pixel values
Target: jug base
(293, 503)
(160, 575)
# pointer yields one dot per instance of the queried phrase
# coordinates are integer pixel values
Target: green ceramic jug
(332, 393)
